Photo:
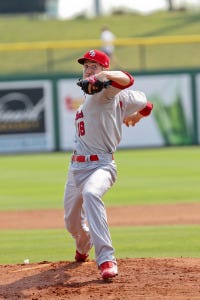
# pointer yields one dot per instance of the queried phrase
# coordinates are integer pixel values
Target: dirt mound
(143, 279)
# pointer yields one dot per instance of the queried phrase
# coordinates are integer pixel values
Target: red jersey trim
(122, 87)
(147, 110)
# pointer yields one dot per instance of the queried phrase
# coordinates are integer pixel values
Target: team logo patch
(92, 53)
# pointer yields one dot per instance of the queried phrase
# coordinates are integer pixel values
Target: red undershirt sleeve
(122, 87)
(147, 110)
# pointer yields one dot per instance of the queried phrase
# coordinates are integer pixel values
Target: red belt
(83, 158)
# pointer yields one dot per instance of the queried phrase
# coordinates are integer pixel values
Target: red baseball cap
(96, 56)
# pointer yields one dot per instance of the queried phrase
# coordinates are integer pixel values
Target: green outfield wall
(37, 112)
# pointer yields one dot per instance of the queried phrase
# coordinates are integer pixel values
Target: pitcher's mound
(142, 278)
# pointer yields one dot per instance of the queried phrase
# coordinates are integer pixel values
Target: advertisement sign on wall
(26, 119)
(70, 98)
(173, 111)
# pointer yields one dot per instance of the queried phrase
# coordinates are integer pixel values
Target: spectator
(107, 38)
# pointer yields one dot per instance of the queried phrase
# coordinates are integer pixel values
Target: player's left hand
(92, 85)
(132, 119)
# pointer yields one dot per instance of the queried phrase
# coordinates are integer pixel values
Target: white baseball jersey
(99, 119)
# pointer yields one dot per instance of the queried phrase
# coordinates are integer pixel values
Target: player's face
(91, 68)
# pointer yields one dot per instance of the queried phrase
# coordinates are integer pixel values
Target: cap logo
(92, 53)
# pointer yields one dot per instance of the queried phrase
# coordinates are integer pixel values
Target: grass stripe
(145, 176)
(56, 245)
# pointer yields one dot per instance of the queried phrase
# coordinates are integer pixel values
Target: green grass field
(56, 245)
(145, 176)
(26, 29)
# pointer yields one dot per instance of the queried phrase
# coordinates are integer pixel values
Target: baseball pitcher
(92, 171)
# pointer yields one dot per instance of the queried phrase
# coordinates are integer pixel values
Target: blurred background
(40, 41)
(158, 42)
(48, 35)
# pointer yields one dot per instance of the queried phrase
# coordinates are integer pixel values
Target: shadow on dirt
(56, 276)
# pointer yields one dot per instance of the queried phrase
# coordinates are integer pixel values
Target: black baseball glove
(91, 85)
